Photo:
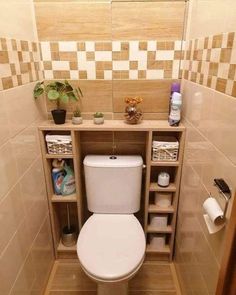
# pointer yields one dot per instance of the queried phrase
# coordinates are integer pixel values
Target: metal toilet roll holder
(224, 191)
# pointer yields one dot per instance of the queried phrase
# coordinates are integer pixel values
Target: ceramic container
(77, 120)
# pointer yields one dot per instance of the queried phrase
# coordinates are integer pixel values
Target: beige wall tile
(10, 18)
(25, 278)
(13, 257)
(223, 125)
(214, 23)
(22, 109)
(155, 94)
(139, 20)
(8, 172)
(42, 247)
(12, 213)
(97, 97)
(71, 19)
(4, 125)
(26, 147)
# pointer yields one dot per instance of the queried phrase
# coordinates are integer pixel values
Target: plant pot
(77, 120)
(69, 236)
(59, 116)
(98, 120)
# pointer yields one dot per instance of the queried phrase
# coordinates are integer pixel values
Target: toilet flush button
(113, 157)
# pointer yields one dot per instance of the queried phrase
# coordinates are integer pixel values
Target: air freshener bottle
(175, 109)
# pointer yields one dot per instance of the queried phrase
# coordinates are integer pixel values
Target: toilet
(111, 244)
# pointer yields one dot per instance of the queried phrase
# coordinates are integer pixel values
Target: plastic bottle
(175, 87)
(175, 109)
(68, 183)
(58, 175)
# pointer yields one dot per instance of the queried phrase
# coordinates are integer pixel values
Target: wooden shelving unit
(129, 139)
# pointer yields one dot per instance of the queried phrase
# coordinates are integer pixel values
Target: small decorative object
(98, 118)
(133, 115)
(59, 92)
(77, 119)
(163, 179)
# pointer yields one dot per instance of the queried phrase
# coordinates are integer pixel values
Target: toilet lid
(111, 246)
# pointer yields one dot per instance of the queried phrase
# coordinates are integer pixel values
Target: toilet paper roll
(214, 217)
(157, 241)
(162, 200)
(159, 220)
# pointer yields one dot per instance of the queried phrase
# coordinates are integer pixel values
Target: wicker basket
(59, 144)
(165, 148)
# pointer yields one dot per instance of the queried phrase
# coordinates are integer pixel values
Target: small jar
(133, 114)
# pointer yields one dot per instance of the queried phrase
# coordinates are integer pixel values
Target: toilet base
(113, 288)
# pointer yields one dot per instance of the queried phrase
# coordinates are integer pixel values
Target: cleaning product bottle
(175, 109)
(58, 175)
(68, 183)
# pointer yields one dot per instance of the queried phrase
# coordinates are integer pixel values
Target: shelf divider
(154, 187)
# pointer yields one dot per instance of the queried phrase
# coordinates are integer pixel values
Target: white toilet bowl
(111, 249)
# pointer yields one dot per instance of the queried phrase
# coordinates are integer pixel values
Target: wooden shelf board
(165, 250)
(165, 163)
(59, 156)
(154, 187)
(63, 199)
(152, 208)
(153, 229)
(113, 125)
(62, 248)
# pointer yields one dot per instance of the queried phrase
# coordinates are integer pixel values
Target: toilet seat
(111, 247)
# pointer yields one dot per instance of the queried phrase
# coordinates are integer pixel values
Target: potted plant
(98, 118)
(77, 119)
(60, 92)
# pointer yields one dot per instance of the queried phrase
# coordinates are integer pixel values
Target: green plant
(58, 91)
(77, 113)
(98, 115)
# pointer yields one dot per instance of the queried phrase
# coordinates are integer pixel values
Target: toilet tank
(113, 183)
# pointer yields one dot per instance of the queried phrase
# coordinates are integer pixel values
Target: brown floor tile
(153, 277)
(75, 293)
(152, 293)
(70, 277)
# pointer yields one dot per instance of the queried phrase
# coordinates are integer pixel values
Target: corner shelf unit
(114, 137)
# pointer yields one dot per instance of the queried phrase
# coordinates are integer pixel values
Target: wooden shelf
(165, 163)
(151, 249)
(154, 187)
(62, 248)
(152, 208)
(153, 229)
(113, 125)
(59, 156)
(64, 199)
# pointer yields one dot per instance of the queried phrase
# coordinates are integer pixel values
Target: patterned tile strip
(20, 63)
(92, 60)
(211, 61)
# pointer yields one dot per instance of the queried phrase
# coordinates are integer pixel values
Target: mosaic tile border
(211, 62)
(111, 60)
(20, 63)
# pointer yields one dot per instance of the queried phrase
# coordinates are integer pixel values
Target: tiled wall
(26, 253)
(210, 152)
(211, 61)
(20, 63)
(125, 48)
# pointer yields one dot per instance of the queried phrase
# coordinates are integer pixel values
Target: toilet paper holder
(224, 190)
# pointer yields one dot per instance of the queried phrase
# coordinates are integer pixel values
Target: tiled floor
(154, 278)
